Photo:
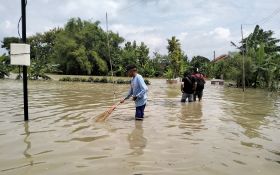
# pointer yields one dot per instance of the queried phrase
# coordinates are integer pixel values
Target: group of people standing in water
(192, 86)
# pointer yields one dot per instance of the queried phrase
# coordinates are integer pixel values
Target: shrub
(83, 80)
(96, 80)
(65, 79)
(111, 80)
(104, 80)
(90, 79)
(76, 79)
(120, 81)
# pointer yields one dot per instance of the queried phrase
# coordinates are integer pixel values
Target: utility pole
(109, 54)
(243, 57)
(214, 55)
(108, 45)
(25, 91)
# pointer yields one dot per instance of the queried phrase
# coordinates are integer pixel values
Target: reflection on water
(227, 133)
(191, 116)
(249, 110)
(27, 155)
(28, 143)
(137, 142)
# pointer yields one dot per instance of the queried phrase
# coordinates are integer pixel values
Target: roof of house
(221, 57)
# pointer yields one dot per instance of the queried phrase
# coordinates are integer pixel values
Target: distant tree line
(82, 47)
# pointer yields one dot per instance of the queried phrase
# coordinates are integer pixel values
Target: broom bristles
(103, 116)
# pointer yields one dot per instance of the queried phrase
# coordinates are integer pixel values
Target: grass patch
(98, 80)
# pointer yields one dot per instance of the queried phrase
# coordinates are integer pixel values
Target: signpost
(20, 55)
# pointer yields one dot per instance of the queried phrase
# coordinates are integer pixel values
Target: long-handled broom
(103, 116)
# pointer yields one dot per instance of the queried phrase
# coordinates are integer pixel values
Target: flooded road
(227, 133)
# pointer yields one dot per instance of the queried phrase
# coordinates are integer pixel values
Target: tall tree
(201, 63)
(175, 55)
(81, 48)
(7, 41)
(142, 54)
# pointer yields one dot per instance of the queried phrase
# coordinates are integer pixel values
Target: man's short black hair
(187, 73)
(129, 67)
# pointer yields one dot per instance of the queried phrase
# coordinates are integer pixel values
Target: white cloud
(7, 24)
(131, 29)
(148, 35)
(182, 36)
(197, 21)
(202, 26)
(154, 41)
(90, 9)
(221, 33)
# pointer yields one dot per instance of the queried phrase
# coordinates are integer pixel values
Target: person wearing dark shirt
(187, 87)
(200, 84)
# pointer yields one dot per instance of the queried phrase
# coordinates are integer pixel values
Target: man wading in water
(138, 91)
(200, 84)
(187, 87)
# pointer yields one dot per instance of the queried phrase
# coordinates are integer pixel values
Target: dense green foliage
(201, 63)
(4, 66)
(6, 42)
(262, 61)
(99, 80)
(81, 47)
(176, 58)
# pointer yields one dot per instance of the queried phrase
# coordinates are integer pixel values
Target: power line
(18, 27)
(20, 21)
(265, 19)
(274, 13)
(269, 20)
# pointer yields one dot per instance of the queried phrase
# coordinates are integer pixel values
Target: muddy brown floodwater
(228, 133)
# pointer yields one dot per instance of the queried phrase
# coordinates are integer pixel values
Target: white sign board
(20, 54)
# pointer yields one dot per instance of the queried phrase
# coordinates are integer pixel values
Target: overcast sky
(201, 25)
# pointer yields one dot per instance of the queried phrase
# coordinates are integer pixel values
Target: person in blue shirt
(138, 91)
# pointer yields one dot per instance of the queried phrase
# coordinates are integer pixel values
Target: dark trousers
(140, 112)
(198, 94)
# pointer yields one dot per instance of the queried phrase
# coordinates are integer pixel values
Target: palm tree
(175, 55)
